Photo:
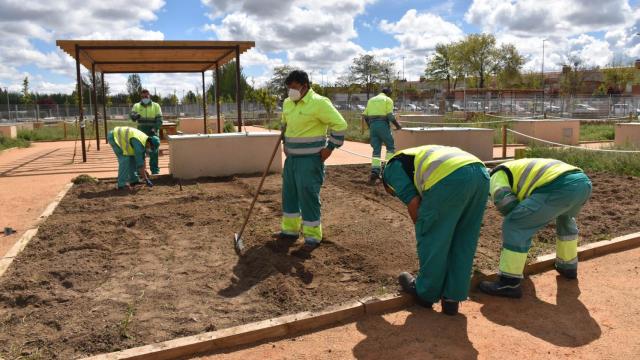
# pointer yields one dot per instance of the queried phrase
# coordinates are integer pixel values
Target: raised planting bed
(111, 270)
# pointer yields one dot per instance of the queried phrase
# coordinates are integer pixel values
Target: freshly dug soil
(111, 270)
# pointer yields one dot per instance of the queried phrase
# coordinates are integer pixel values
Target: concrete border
(291, 325)
(7, 259)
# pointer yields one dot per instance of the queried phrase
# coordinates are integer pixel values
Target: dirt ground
(110, 270)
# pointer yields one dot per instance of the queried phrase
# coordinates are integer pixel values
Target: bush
(228, 127)
(594, 161)
(6, 143)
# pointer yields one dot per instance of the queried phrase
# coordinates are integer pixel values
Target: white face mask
(146, 101)
(294, 94)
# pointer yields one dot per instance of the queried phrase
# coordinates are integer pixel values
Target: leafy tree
(446, 64)
(26, 96)
(481, 56)
(509, 65)
(573, 76)
(134, 87)
(267, 100)
(228, 83)
(367, 71)
(616, 77)
(276, 84)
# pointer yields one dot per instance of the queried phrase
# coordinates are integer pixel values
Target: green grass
(593, 132)
(6, 143)
(593, 161)
(54, 132)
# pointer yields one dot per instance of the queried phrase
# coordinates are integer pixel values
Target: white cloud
(22, 22)
(420, 32)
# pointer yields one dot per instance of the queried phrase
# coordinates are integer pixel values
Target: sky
(319, 36)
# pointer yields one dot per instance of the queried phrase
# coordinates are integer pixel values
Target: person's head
(386, 91)
(146, 97)
(298, 83)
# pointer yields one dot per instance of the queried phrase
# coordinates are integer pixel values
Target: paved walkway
(597, 317)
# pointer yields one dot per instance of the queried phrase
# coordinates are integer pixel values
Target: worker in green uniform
(445, 190)
(306, 118)
(130, 146)
(531, 193)
(148, 115)
(378, 114)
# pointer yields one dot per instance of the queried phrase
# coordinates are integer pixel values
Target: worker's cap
(386, 91)
(154, 141)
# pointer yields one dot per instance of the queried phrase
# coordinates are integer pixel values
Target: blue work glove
(149, 183)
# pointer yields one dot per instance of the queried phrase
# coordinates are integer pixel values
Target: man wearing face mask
(148, 115)
(306, 119)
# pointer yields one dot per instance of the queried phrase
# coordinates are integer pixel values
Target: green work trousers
(153, 153)
(302, 178)
(126, 164)
(380, 133)
(447, 232)
(562, 200)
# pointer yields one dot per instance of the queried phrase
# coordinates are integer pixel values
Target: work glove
(397, 125)
(505, 202)
(135, 116)
(149, 183)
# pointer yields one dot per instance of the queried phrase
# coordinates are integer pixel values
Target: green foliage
(6, 143)
(26, 96)
(369, 72)
(134, 87)
(55, 132)
(592, 132)
(228, 83)
(617, 77)
(592, 161)
(84, 179)
(276, 84)
(229, 126)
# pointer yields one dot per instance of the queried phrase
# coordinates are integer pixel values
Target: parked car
(584, 108)
(551, 108)
(433, 107)
(457, 107)
(359, 107)
(621, 109)
(511, 108)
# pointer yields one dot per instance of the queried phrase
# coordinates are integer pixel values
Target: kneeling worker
(378, 115)
(531, 193)
(445, 190)
(131, 146)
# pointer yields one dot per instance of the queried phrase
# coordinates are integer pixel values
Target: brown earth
(111, 270)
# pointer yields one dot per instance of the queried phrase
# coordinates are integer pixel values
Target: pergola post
(94, 94)
(238, 89)
(204, 104)
(218, 97)
(81, 110)
(104, 108)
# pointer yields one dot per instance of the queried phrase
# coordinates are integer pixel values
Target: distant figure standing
(148, 115)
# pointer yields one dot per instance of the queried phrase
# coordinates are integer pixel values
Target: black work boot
(571, 274)
(505, 286)
(373, 178)
(449, 307)
(408, 285)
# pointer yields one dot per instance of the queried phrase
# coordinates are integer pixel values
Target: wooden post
(218, 97)
(504, 141)
(64, 129)
(94, 94)
(80, 109)
(204, 104)
(238, 88)
(104, 108)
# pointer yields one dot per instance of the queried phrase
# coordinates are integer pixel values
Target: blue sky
(321, 37)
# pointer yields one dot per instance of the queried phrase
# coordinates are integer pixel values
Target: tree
(616, 77)
(348, 84)
(26, 96)
(276, 84)
(509, 65)
(367, 71)
(134, 87)
(267, 100)
(228, 83)
(481, 56)
(573, 76)
(189, 98)
(446, 64)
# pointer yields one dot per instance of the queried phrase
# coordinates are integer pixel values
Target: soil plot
(111, 270)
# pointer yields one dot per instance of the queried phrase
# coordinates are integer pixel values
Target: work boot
(304, 252)
(505, 286)
(408, 285)
(373, 178)
(571, 274)
(449, 307)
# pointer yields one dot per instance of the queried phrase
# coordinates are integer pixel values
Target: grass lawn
(54, 132)
(595, 161)
(6, 143)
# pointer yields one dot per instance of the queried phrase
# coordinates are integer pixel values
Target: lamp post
(544, 113)
(6, 90)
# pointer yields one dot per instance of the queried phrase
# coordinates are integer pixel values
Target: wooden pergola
(137, 56)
